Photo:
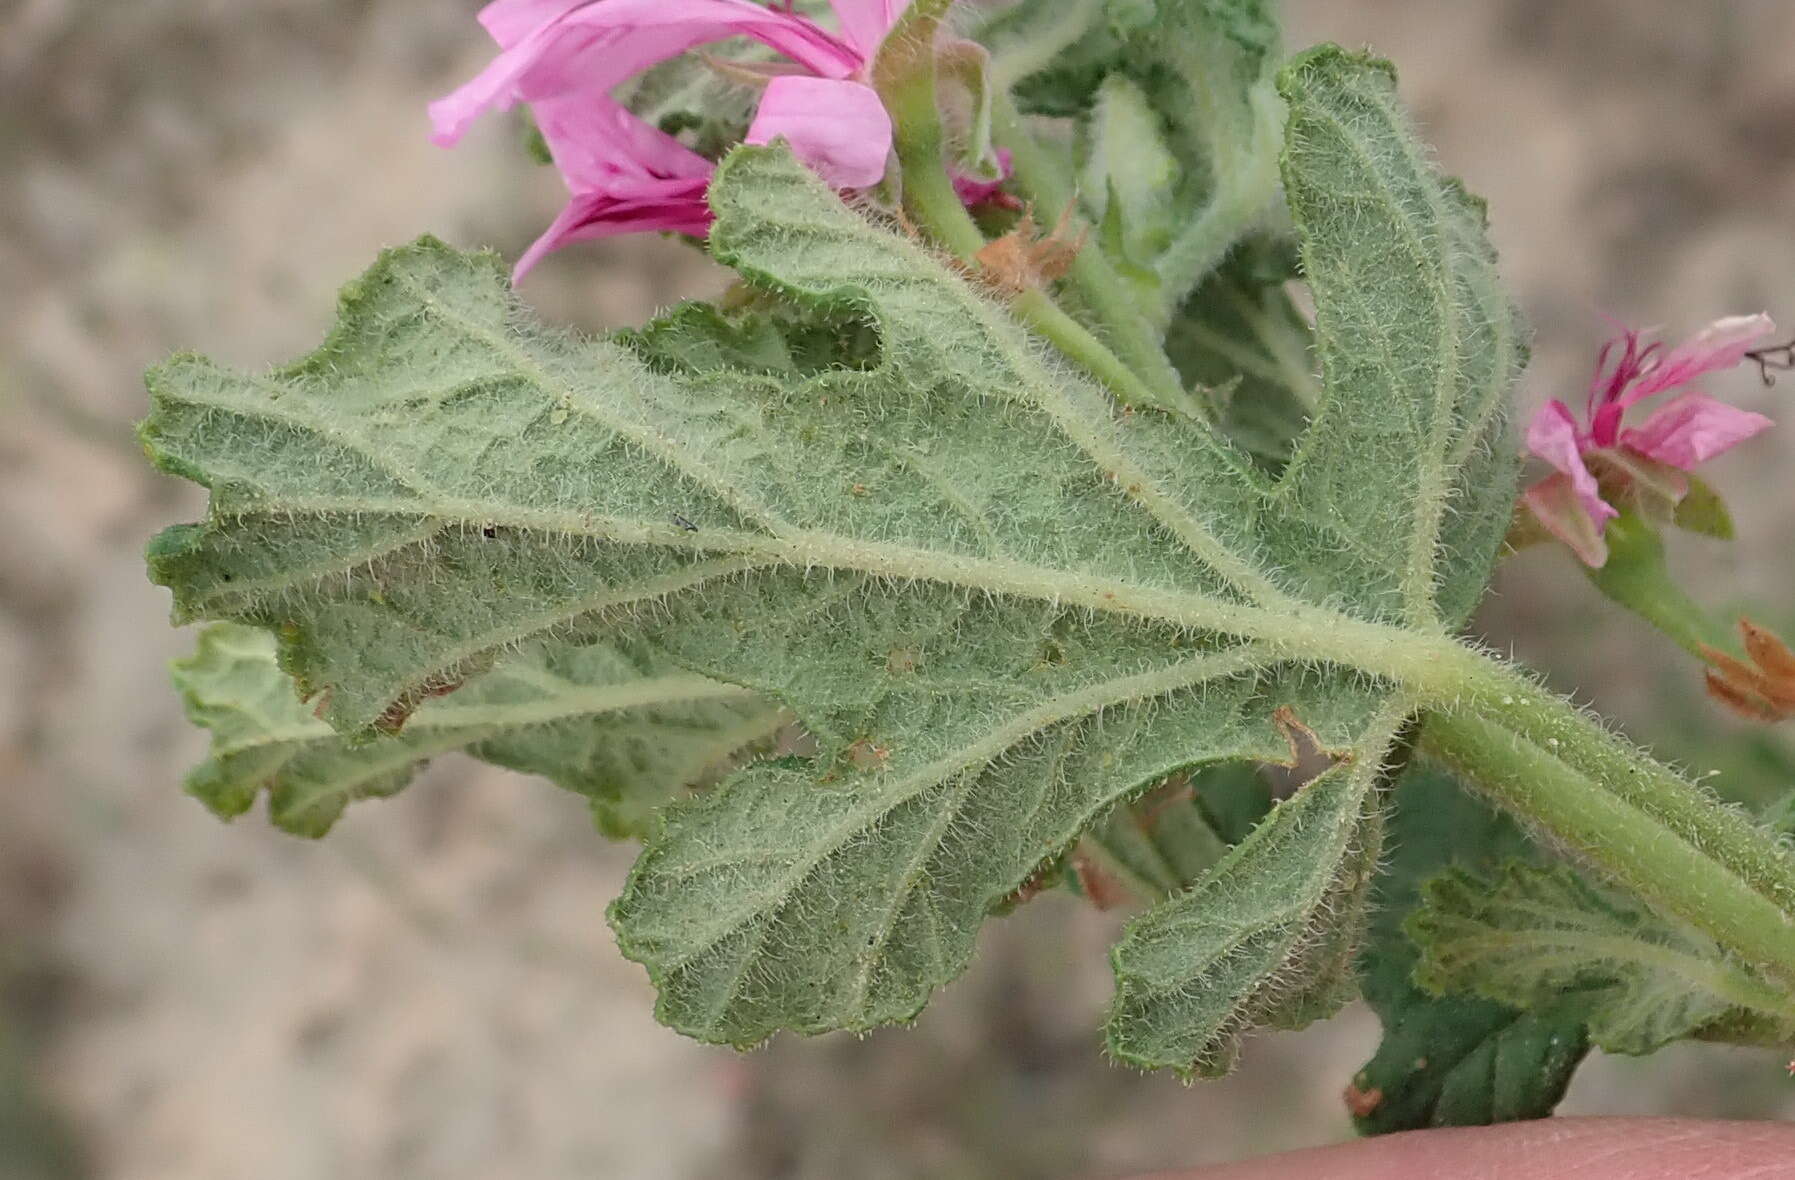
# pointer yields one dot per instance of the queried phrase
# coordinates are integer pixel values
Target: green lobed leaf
(1052, 54)
(1000, 605)
(614, 727)
(1191, 89)
(1537, 935)
(1456, 1059)
(1266, 938)
(1179, 122)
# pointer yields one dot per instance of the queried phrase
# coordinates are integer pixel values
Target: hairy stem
(1725, 836)
(1657, 860)
(905, 76)
(1124, 322)
(1637, 577)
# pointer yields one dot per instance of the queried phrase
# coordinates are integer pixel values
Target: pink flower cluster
(1688, 430)
(564, 57)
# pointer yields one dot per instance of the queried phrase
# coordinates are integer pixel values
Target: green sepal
(1703, 512)
(1637, 576)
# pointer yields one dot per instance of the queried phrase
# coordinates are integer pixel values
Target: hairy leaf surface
(1537, 935)
(612, 726)
(1419, 345)
(1001, 605)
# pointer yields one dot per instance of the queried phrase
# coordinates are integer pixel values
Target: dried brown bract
(1026, 259)
(1760, 687)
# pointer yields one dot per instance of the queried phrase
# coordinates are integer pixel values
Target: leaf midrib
(1089, 427)
(472, 722)
(1418, 583)
(1306, 632)
(1574, 948)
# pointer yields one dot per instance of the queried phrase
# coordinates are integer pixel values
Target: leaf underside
(1001, 606)
(606, 723)
(1266, 939)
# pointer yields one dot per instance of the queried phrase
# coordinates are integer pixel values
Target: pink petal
(864, 23)
(494, 88)
(1720, 345)
(593, 139)
(1693, 428)
(629, 206)
(510, 21)
(595, 46)
(839, 129)
(1553, 436)
(1559, 507)
(973, 191)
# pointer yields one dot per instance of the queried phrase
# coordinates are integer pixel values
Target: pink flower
(1689, 429)
(973, 191)
(564, 57)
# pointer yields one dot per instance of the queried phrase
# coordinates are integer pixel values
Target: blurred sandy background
(432, 992)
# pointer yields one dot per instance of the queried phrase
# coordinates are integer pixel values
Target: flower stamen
(1773, 359)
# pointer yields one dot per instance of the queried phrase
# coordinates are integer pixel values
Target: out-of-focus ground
(432, 992)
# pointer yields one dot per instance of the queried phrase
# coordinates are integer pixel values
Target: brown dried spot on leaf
(1362, 1104)
(1760, 687)
(867, 755)
(1308, 757)
(1025, 259)
(400, 711)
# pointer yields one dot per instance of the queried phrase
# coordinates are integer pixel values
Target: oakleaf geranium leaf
(1000, 604)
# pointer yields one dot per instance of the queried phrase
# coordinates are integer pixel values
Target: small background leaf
(1536, 935)
(1179, 125)
(1167, 840)
(1456, 1059)
(1241, 336)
